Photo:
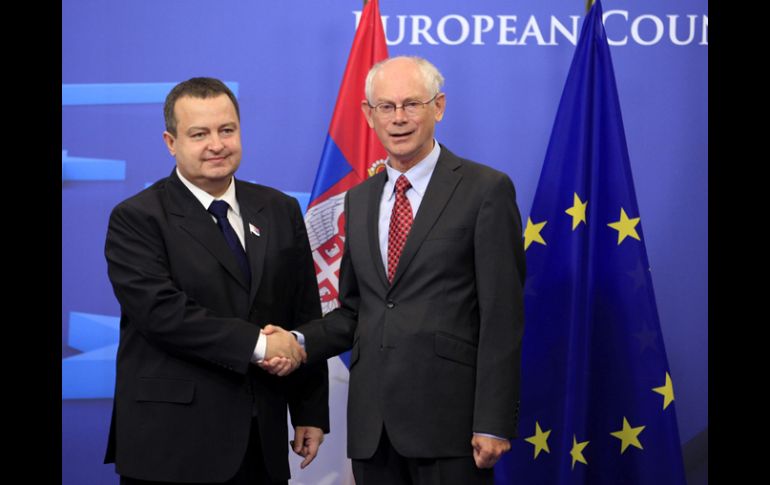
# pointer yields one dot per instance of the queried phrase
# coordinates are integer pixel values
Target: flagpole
(589, 3)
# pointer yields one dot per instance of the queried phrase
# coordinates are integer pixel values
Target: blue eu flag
(597, 402)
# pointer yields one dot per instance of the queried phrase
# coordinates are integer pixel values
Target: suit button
(390, 304)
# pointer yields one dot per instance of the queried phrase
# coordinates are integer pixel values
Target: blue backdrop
(505, 62)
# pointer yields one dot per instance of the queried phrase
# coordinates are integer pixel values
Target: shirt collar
(206, 199)
(418, 175)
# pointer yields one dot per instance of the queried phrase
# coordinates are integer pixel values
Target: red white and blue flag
(351, 154)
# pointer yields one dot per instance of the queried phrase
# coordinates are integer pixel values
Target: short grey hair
(433, 78)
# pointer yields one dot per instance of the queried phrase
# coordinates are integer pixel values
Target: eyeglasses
(411, 108)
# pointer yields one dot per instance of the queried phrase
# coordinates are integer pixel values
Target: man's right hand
(283, 354)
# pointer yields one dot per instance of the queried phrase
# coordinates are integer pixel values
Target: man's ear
(440, 103)
(170, 141)
(367, 112)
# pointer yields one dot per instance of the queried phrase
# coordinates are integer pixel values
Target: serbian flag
(351, 154)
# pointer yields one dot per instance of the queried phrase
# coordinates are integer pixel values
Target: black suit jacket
(436, 354)
(185, 391)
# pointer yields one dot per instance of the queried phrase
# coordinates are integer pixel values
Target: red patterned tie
(400, 223)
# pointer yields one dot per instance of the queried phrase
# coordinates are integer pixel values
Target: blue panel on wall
(90, 332)
(120, 93)
(302, 197)
(79, 168)
(91, 374)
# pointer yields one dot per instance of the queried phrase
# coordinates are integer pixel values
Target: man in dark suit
(431, 298)
(199, 262)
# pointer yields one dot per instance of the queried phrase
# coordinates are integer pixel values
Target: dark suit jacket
(185, 391)
(436, 355)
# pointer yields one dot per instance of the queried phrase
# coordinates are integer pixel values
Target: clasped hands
(284, 354)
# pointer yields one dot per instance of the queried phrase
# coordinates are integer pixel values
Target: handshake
(283, 354)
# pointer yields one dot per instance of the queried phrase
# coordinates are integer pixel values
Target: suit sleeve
(334, 334)
(308, 387)
(500, 271)
(152, 302)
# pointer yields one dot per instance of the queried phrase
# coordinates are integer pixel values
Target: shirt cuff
(300, 338)
(260, 350)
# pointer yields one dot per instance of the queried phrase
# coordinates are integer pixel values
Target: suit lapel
(198, 223)
(440, 188)
(256, 233)
(373, 225)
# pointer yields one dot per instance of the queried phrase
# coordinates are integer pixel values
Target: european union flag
(597, 402)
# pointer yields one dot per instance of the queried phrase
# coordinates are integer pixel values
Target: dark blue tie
(219, 209)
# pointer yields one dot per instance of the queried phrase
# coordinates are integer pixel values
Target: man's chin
(400, 152)
(219, 174)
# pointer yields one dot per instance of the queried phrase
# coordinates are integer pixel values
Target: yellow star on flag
(540, 439)
(577, 451)
(577, 211)
(667, 391)
(628, 436)
(532, 233)
(625, 227)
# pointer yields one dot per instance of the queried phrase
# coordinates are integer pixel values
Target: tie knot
(219, 208)
(402, 184)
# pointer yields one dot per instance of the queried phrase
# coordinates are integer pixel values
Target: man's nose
(215, 143)
(399, 115)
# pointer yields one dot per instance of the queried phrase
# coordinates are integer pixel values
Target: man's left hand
(487, 450)
(307, 440)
